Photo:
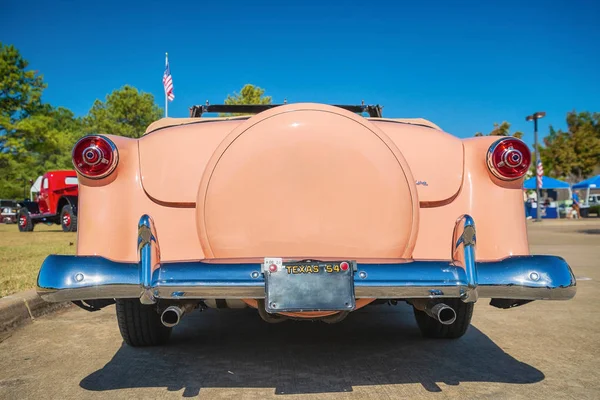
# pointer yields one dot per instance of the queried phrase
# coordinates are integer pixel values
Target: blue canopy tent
(590, 183)
(593, 182)
(547, 184)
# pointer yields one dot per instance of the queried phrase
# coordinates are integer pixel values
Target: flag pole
(166, 97)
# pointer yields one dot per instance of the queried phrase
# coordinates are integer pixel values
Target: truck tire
(24, 221)
(68, 219)
(140, 324)
(430, 328)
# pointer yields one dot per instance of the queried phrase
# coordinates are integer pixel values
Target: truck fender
(70, 200)
(30, 206)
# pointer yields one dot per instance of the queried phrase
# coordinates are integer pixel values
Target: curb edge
(21, 308)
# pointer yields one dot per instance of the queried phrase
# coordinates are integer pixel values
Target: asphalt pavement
(545, 349)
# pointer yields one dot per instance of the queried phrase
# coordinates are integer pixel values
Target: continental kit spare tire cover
(309, 181)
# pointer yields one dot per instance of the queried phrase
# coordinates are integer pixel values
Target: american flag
(540, 173)
(168, 82)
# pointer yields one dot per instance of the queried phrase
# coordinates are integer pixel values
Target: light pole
(535, 116)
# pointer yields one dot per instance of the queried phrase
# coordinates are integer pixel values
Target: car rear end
(302, 211)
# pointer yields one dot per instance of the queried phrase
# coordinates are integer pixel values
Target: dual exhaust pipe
(441, 312)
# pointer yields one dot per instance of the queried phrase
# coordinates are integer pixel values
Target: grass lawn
(22, 254)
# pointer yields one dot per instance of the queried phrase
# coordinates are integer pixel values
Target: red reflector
(509, 158)
(344, 266)
(95, 156)
(273, 268)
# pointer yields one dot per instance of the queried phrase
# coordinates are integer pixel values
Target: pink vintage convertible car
(303, 211)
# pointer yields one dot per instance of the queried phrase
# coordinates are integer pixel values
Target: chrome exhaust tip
(171, 316)
(442, 313)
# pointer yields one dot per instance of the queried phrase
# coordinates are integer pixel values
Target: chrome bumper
(70, 278)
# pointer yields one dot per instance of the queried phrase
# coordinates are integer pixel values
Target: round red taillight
(344, 266)
(95, 156)
(509, 158)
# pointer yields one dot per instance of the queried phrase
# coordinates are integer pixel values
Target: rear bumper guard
(73, 278)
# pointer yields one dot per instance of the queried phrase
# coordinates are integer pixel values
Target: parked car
(594, 199)
(9, 210)
(56, 203)
(301, 211)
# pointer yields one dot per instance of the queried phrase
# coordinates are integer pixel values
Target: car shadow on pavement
(590, 231)
(379, 345)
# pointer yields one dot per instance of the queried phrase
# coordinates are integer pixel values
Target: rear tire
(430, 328)
(68, 219)
(140, 324)
(24, 221)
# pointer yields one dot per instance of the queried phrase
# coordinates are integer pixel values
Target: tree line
(36, 137)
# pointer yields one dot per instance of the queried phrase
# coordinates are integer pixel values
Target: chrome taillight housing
(95, 156)
(509, 158)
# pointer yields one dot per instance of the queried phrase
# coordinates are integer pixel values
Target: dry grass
(22, 254)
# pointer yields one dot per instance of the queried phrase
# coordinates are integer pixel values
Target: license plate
(308, 285)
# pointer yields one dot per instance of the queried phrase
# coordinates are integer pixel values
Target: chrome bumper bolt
(534, 276)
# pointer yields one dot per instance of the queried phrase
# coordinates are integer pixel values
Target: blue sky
(463, 66)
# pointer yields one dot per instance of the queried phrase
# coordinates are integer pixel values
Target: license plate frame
(308, 285)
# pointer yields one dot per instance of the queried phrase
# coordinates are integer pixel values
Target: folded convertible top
(197, 111)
